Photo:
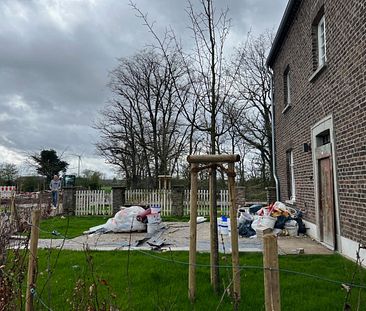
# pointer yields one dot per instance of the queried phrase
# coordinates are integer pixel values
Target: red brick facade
(339, 91)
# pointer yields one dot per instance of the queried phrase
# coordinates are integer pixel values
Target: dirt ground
(175, 236)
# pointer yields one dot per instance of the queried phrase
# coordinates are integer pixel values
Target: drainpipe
(274, 139)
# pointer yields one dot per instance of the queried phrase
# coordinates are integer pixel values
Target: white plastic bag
(125, 220)
(245, 216)
(280, 206)
(256, 222)
(264, 222)
(292, 227)
(291, 223)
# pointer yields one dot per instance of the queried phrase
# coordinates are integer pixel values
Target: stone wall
(69, 200)
(118, 198)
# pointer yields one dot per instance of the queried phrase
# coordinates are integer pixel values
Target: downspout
(274, 139)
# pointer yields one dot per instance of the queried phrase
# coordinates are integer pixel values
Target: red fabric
(142, 216)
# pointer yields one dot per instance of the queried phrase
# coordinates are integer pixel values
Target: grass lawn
(70, 226)
(152, 283)
(175, 218)
(158, 281)
(107, 189)
(73, 226)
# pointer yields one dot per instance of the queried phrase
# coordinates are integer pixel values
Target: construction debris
(283, 220)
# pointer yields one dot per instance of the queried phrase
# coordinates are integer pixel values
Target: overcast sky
(55, 56)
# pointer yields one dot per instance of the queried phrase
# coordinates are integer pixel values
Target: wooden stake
(271, 273)
(234, 234)
(32, 261)
(193, 234)
(12, 207)
(214, 240)
(14, 217)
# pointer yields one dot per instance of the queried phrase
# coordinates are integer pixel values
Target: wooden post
(193, 234)
(234, 234)
(12, 207)
(214, 240)
(213, 158)
(271, 273)
(14, 217)
(195, 160)
(32, 261)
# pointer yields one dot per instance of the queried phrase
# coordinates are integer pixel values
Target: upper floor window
(319, 40)
(287, 88)
(290, 175)
(322, 57)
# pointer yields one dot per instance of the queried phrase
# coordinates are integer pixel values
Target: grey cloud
(55, 57)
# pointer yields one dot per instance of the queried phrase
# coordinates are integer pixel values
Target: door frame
(320, 127)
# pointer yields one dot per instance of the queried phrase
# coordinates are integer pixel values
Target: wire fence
(38, 293)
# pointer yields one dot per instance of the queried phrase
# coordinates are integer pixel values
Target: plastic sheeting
(124, 221)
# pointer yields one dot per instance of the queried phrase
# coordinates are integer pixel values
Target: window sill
(288, 106)
(317, 72)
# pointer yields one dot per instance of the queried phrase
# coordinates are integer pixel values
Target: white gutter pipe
(274, 140)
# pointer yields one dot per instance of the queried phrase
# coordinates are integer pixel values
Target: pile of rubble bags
(245, 224)
(277, 217)
(131, 219)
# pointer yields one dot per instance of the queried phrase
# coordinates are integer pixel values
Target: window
(321, 42)
(290, 175)
(319, 45)
(323, 138)
(287, 88)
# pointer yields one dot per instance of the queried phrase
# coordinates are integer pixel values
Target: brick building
(318, 61)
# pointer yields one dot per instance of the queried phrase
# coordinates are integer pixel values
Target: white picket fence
(93, 202)
(149, 196)
(98, 202)
(203, 202)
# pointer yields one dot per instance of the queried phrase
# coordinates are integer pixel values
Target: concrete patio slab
(175, 236)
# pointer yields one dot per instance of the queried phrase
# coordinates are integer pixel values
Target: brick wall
(340, 89)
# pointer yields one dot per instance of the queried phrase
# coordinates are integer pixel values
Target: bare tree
(210, 84)
(142, 128)
(251, 115)
(211, 87)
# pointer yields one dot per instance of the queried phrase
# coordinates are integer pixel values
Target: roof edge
(287, 18)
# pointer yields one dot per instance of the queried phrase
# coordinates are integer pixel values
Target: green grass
(76, 225)
(107, 189)
(159, 284)
(71, 226)
(152, 283)
(175, 218)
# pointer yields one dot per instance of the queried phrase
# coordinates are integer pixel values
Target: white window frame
(293, 188)
(287, 89)
(292, 173)
(322, 43)
(288, 95)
